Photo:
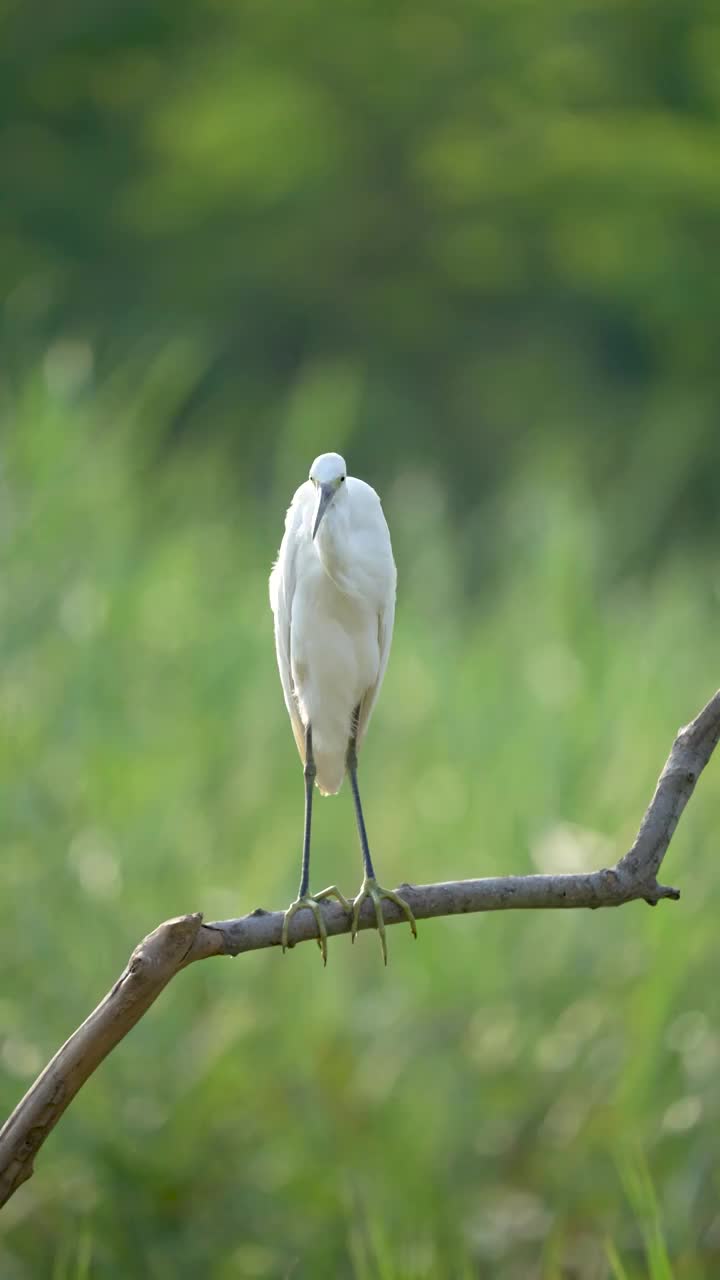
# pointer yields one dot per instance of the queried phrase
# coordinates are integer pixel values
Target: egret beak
(326, 493)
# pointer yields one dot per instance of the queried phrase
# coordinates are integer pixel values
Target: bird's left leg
(370, 887)
(305, 899)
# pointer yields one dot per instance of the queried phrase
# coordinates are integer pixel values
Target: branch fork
(179, 942)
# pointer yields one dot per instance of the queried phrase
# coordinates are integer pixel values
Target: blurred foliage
(498, 1100)
(472, 247)
(480, 235)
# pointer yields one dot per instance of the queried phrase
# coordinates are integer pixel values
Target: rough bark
(179, 942)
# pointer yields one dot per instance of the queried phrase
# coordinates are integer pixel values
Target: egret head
(328, 474)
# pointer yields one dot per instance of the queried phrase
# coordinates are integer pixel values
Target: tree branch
(180, 942)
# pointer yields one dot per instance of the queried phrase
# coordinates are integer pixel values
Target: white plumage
(333, 599)
(332, 593)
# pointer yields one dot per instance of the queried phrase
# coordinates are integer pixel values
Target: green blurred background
(474, 248)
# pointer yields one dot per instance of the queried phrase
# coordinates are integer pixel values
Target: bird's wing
(386, 618)
(282, 592)
(373, 560)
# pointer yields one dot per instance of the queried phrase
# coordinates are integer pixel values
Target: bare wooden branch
(180, 942)
(151, 966)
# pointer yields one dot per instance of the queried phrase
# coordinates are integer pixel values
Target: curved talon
(372, 890)
(311, 901)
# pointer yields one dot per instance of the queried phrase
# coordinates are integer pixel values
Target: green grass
(467, 1112)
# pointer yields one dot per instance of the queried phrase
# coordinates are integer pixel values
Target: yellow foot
(311, 900)
(372, 890)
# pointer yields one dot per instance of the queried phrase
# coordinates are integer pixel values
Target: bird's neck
(334, 547)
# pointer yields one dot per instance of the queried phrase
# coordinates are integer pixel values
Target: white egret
(332, 593)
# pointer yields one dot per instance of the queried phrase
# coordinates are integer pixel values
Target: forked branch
(181, 941)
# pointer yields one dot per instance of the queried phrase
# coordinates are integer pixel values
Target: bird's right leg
(305, 899)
